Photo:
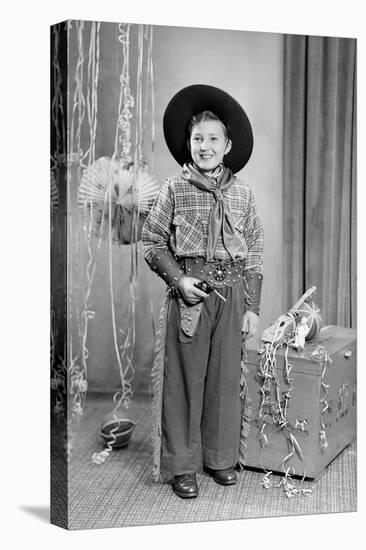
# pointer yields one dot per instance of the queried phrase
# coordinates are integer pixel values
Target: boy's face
(208, 144)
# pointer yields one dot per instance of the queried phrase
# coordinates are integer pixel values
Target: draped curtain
(320, 174)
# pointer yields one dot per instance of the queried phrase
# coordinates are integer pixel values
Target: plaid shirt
(178, 221)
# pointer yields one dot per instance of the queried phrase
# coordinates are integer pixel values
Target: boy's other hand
(190, 293)
(250, 324)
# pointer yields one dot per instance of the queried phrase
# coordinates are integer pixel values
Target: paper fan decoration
(54, 198)
(314, 320)
(109, 180)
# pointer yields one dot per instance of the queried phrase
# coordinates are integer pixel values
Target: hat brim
(191, 101)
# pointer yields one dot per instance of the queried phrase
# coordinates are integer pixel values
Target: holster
(189, 318)
(217, 274)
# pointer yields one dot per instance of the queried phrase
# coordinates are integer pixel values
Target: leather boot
(224, 477)
(185, 486)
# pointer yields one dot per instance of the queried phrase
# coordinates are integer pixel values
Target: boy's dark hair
(203, 116)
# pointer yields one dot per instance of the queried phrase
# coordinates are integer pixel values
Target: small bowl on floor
(116, 430)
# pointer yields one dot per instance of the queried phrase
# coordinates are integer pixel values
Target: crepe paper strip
(78, 105)
(266, 482)
(300, 424)
(83, 107)
(320, 355)
(59, 407)
(124, 115)
(75, 371)
(297, 448)
(92, 87)
(323, 439)
(124, 396)
(126, 100)
(100, 457)
(57, 107)
(292, 490)
(271, 386)
(58, 364)
(150, 72)
(124, 352)
(116, 436)
(92, 110)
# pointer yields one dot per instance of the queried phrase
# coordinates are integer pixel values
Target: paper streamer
(274, 404)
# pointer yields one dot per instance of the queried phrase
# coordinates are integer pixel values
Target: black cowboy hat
(191, 101)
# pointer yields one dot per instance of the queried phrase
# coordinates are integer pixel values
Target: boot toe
(225, 477)
(185, 486)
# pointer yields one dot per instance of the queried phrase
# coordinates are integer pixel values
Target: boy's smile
(208, 144)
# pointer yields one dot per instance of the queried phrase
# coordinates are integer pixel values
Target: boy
(203, 227)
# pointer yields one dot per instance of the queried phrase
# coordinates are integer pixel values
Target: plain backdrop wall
(249, 66)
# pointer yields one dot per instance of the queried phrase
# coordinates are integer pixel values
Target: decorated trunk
(317, 390)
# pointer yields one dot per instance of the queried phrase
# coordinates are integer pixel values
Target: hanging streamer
(126, 102)
(58, 155)
(58, 377)
(113, 194)
(78, 320)
(274, 406)
(91, 110)
(130, 189)
(320, 355)
(77, 384)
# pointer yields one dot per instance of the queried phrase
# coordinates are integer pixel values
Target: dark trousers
(201, 403)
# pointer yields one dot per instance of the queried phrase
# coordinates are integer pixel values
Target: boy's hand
(190, 293)
(250, 324)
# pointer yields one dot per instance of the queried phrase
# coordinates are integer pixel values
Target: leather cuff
(253, 287)
(165, 265)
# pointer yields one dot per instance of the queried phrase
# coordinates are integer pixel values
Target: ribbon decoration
(69, 373)
(77, 369)
(59, 142)
(123, 151)
(320, 355)
(274, 404)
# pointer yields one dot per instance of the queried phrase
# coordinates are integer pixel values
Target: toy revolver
(203, 285)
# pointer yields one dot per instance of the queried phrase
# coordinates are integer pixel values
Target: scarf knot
(218, 194)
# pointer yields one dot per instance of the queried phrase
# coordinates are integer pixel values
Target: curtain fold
(319, 174)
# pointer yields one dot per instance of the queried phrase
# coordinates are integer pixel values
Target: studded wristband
(253, 287)
(165, 265)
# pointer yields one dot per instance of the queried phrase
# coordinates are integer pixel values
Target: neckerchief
(220, 219)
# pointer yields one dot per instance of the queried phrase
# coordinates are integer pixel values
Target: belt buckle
(219, 273)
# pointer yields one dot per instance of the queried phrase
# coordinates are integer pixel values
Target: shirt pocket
(188, 234)
(240, 242)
